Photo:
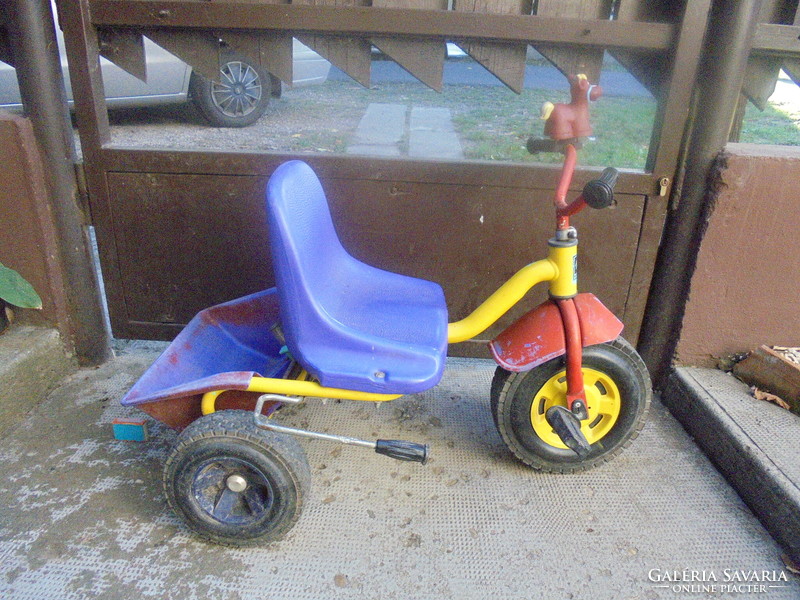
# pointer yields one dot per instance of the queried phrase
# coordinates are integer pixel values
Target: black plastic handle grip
(402, 450)
(536, 145)
(599, 193)
(609, 176)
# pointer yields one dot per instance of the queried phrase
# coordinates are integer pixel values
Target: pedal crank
(568, 428)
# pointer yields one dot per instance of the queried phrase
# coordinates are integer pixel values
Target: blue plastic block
(130, 431)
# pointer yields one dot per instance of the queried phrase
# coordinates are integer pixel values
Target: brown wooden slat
(376, 21)
(351, 55)
(572, 61)
(505, 61)
(423, 59)
(792, 68)
(792, 65)
(762, 71)
(777, 39)
(200, 49)
(673, 109)
(651, 70)
(273, 50)
(124, 48)
(647, 10)
(760, 79)
(118, 159)
(771, 372)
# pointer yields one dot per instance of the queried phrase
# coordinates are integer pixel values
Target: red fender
(538, 336)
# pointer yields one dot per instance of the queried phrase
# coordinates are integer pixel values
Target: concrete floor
(83, 516)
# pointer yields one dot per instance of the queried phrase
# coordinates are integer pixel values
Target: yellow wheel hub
(602, 400)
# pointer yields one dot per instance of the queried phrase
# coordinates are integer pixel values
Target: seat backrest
(305, 250)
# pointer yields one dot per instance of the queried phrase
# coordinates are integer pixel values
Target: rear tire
(617, 380)
(238, 99)
(233, 483)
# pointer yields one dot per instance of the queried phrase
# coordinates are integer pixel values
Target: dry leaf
(767, 397)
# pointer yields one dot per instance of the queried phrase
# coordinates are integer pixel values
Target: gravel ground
(289, 124)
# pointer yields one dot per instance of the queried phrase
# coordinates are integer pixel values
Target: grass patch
(494, 123)
(770, 126)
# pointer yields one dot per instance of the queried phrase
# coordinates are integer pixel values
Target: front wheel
(618, 395)
(233, 483)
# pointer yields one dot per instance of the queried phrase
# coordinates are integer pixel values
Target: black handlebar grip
(402, 450)
(599, 193)
(610, 176)
(536, 145)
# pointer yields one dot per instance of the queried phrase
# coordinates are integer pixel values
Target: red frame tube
(574, 350)
(563, 210)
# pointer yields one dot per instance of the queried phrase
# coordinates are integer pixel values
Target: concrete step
(32, 363)
(751, 442)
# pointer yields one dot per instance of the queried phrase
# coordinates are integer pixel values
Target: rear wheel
(240, 96)
(233, 483)
(618, 395)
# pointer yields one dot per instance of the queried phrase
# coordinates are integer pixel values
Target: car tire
(240, 97)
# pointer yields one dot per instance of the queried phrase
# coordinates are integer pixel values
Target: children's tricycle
(568, 393)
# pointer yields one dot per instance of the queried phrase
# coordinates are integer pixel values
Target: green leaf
(16, 291)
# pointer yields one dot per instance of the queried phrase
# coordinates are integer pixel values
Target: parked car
(239, 99)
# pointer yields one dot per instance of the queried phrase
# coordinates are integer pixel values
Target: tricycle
(568, 394)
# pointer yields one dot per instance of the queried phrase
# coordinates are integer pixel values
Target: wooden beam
(674, 108)
(200, 49)
(368, 21)
(777, 39)
(423, 59)
(124, 48)
(571, 61)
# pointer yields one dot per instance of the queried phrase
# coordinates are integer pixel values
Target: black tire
(201, 472)
(512, 402)
(238, 99)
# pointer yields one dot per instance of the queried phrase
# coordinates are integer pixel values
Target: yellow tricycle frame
(559, 268)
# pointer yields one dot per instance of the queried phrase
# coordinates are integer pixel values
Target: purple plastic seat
(349, 324)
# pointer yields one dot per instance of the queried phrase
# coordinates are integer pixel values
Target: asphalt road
(469, 72)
